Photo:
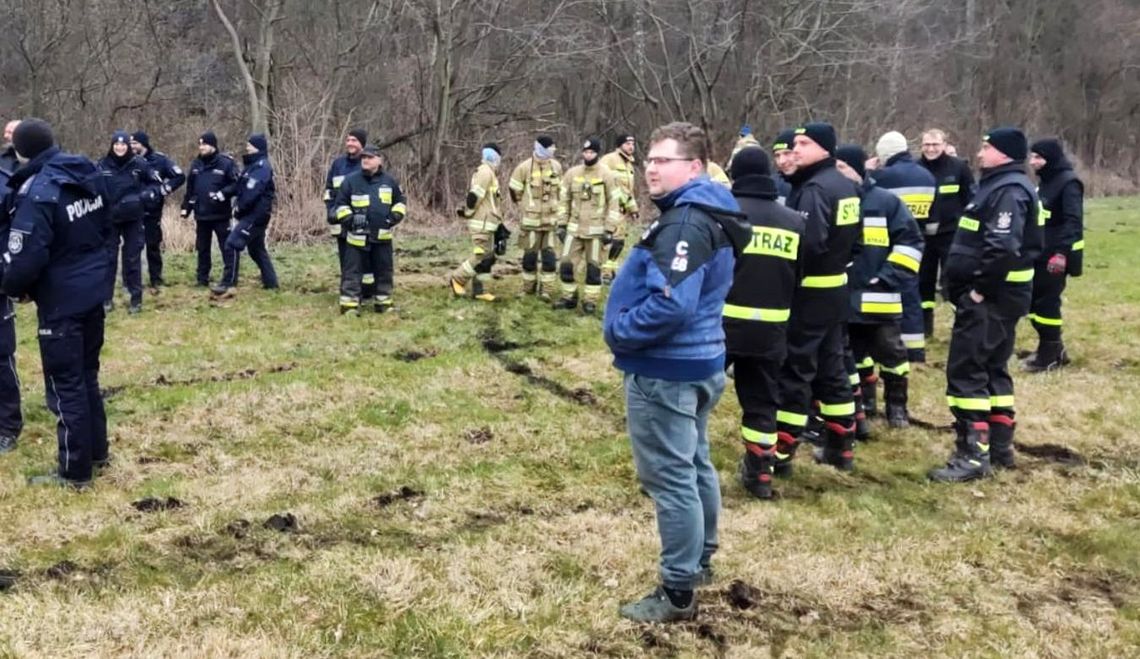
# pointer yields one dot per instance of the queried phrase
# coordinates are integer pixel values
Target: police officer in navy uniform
(253, 207)
(131, 186)
(56, 256)
(210, 186)
(1062, 197)
(11, 419)
(172, 178)
(989, 278)
(369, 203)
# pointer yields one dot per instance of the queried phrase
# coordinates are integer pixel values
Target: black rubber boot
(786, 445)
(870, 387)
(838, 447)
(895, 397)
(756, 469)
(1001, 441)
(971, 457)
(1050, 355)
(928, 322)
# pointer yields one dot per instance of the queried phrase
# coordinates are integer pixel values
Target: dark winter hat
(32, 137)
(142, 138)
(821, 133)
(751, 161)
(494, 147)
(854, 156)
(592, 144)
(1010, 141)
(545, 141)
(622, 138)
(784, 140)
(371, 150)
(360, 134)
(121, 136)
(1049, 149)
(259, 142)
(208, 137)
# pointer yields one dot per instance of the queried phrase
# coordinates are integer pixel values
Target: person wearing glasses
(663, 325)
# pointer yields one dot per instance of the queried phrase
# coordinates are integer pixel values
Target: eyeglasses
(661, 160)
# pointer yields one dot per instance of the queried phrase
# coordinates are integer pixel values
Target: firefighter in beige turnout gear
(620, 162)
(590, 211)
(481, 210)
(535, 186)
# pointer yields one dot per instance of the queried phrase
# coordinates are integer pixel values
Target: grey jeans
(668, 430)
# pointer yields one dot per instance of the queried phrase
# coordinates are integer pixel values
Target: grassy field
(455, 480)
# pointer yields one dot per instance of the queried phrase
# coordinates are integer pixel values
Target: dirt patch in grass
(478, 435)
(1052, 453)
(281, 522)
(410, 356)
(157, 504)
(405, 493)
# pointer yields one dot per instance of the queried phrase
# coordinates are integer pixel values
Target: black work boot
(589, 308)
(786, 445)
(756, 469)
(838, 447)
(1049, 356)
(895, 397)
(870, 387)
(813, 431)
(928, 322)
(971, 457)
(1001, 441)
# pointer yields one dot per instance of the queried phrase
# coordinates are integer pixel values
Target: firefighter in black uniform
(955, 189)
(989, 279)
(369, 203)
(829, 204)
(756, 312)
(884, 262)
(1062, 197)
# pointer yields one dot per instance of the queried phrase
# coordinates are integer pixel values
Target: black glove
(502, 235)
(394, 219)
(608, 238)
(359, 223)
(561, 232)
(461, 211)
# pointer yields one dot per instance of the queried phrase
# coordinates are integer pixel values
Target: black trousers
(1045, 310)
(815, 361)
(246, 236)
(152, 236)
(757, 381)
(977, 371)
(11, 419)
(69, 349)
(205, 233)
(126, 237)
(933, 261)
(367, 272)
(882, 343)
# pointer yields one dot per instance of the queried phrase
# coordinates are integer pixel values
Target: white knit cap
(890, 145)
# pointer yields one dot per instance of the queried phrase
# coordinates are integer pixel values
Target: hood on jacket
(717, 201)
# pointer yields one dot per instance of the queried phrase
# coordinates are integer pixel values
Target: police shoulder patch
(15, 242)
(1005, 219)
(176, 169)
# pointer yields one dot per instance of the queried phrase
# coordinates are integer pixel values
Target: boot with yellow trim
(349, 305)
(756, 469)
(458, 289)
(971, 457)
(382, 303)
(479, 293)
(895, 401)
(786, 445)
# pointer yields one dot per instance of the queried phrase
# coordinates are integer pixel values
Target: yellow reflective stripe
(1044, 213)
(356, 240)
(853, 379)
(1001, 401)
(824, 281)
(478, 251)
(970, 404)
(918, 203)
(847, 212)
(900, 370)
(914, 341)
(478, 191)
(929, 304)
(384, 234)
(360, 200)
(770, 241)
(757, 313)
(837, 409)
(791, 418)
(335, 230)
(401, 208)
(1079, 245)
(1020, 276)
(780, 146)
(1043, 320)
(368, 278)
(866, 363)
(876, 236)
(757, 437)
(905, 261)
(881, 307)
(969, 224)
(951, 188)
(343, 212)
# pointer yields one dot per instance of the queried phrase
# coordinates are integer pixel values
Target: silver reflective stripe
(871, 221)
(913, 253)
(918, 189)
(932, 228)
(882, 297)
(913, 338)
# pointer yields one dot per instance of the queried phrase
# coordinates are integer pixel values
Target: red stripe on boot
(1002, 420)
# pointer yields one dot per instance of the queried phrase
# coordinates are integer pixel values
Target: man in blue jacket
(663, 324)
(56, 256)
(210, 187)
(252, 208)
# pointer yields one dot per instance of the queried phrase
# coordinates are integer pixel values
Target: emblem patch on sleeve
(15, 242)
